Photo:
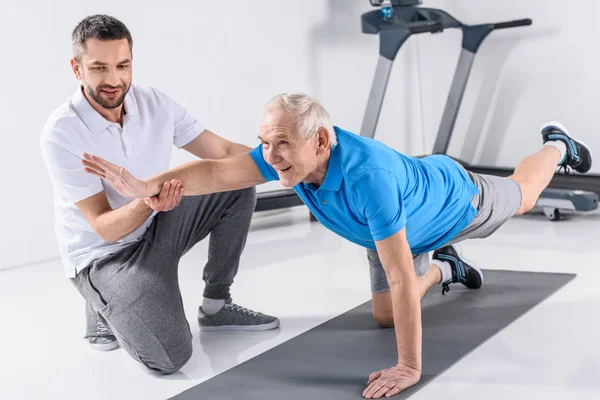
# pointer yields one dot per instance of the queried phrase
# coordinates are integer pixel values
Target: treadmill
(395, 21)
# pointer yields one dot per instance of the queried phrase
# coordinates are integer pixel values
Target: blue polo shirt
(371, 191)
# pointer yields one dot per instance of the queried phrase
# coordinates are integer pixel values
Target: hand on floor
(391, 381)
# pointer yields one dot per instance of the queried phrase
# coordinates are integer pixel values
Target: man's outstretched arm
(396, 257)
(197, 177)
(210, 146)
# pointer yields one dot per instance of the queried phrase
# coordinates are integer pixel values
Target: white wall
(221, 60)
(521, 78)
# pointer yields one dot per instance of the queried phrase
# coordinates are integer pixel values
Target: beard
(104, 102)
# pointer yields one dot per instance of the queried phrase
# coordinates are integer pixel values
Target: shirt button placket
(129, 151)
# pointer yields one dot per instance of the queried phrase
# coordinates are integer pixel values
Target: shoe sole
(105, 346)
(559, 126)
(253, 328)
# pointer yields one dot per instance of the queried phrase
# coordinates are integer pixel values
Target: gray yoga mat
(333, 360)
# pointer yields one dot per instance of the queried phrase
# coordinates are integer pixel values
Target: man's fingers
(157, 201)
(91, 171)
(381, 392)
(373, 376)
(166, 201)
(92, 165)
(372, 389)
(164, 191)
(173, 194)
(169, 196)
(181, 191)
(100, 161)
(395, 390)
(172, 189)
(123, 173)
(100, 169)
(108, 166)
(175, 199)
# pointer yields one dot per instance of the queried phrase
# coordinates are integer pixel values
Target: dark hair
(101, 27)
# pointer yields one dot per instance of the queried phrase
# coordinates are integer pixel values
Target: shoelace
(445, 288)
(565, 169)
(235, 308)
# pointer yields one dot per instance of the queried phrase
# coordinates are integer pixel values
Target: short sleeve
(67, 174)
(186, 127)
(377, 196)
(265, 169)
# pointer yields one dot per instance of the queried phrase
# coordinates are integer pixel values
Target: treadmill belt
(333, 360)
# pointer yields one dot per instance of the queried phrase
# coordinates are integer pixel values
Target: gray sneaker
(103, 339)
(236, 318)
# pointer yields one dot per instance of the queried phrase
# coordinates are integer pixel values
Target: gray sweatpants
(136, 290)
(498, 200)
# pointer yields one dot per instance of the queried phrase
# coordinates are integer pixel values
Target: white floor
(306, 275)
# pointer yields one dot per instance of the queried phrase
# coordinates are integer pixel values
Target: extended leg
(535, 172)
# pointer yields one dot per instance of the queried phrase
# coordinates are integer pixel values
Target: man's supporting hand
(391, 381)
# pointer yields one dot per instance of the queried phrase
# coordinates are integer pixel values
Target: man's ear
(324, 140)
(76, 67)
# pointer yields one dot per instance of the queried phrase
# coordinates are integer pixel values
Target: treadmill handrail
(433, 28)
(513, 24)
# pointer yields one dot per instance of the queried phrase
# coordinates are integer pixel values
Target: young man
(123, 255)
(398, 207)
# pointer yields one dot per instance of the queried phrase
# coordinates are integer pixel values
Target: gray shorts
(498, 200)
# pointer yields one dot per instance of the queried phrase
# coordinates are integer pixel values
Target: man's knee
(170, 362)
(159, 355)
(247, 198)
(384, 319)
(382, 309)
(528, 198)
(248, 194)
(527, 203)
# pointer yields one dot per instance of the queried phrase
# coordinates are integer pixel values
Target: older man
(398, 207)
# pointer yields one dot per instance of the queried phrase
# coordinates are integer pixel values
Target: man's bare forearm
(197, 177)
(116, 224)
(210, 176)
(406, 305)
(235, 149)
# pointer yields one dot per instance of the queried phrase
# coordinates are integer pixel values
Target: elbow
(108, 238)
(104, 235)
(229, 151)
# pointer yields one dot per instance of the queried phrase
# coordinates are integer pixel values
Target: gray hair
(308, 113)
(101, 27)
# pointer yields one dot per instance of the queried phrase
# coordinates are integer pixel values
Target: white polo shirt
(152, 124)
